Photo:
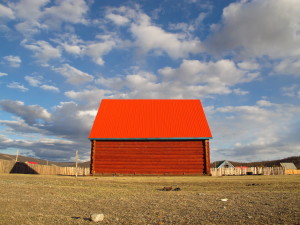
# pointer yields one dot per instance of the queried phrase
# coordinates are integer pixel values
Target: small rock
(200, 193)
(224, 199)
(96, 217)
(167, 189)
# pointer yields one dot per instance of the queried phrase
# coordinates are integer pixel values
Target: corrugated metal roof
(140, 118)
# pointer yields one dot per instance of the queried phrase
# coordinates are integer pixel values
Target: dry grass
(37, 199)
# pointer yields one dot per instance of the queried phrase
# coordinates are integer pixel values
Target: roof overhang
(149, 139)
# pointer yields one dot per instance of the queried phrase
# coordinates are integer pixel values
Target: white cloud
(151, 38)
(291, 91)
(98, 49)
(71, 121)
(3, 74)
(49, 88)
(29, 12)
(30, 114)
(6, 12)
(90, 98)
(238, 91)
(264, 131)
(288, 67)
(35, 16)
(16, 85)
(71, 11)
(43, 51)
(45, 148)
(73, 75)
(210, 77)
(13, 61)
(68, 119)
(248, 65)
(37, 82)
(259, 28)
(33, 81)
(117, 19)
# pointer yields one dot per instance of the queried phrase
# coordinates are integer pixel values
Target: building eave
(150, 139)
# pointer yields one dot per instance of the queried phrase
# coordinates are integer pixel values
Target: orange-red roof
(137, 118)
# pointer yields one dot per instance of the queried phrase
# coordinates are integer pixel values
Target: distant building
(288, 166)
(224, 164)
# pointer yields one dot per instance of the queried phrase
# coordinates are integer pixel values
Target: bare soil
(37, 199)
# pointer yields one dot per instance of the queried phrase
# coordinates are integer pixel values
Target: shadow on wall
(23, 168)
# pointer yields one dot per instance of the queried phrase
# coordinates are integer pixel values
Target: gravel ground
(37, 199)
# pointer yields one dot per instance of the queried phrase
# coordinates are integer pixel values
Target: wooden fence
(249, 171)
(10, 166)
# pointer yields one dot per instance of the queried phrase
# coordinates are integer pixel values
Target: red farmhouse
(150, 137)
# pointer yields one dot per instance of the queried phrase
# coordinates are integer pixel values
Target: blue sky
(59, 58)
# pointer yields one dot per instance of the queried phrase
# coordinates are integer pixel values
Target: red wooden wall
(150, 157)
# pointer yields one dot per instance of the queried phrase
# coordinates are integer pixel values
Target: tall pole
(76, 163)
(17, 155)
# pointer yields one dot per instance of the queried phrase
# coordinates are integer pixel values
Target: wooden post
(206, 157)
(76, 173)
(93, 146)
(17, 155)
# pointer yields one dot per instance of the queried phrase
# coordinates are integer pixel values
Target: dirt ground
(37, 199)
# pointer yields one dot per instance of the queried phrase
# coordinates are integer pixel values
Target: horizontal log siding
(149, 157)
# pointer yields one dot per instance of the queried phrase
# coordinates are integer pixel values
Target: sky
(59, 58)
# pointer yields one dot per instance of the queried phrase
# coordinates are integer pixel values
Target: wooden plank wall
(149, 157)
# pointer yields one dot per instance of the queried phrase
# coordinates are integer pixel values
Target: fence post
(76, 172)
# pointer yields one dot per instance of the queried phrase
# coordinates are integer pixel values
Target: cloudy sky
(59, 58)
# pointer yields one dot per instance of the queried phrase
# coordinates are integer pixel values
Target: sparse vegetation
(38, 199)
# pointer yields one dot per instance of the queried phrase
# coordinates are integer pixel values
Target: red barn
(150, 137)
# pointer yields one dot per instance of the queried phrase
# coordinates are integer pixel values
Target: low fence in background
(10, 166)
(251, 171)
(292, 172)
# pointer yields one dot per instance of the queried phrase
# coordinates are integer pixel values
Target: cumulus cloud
(45, 148)
(37, 82)
(288, 67)
(35, 16)
(117, 19)
(68, 125)
(97, 49)
(6, 12)
(17, 85)
(254, 132)
(43, 51)
(90, 97)
(31, 114)
(13, 61)
(73, 75)
(71, 11)
(29, 13)
(33, 81)
(150, 38)
(102, 45)
(49, 88)
(210, 77)
(68, 119)
(258, 28)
